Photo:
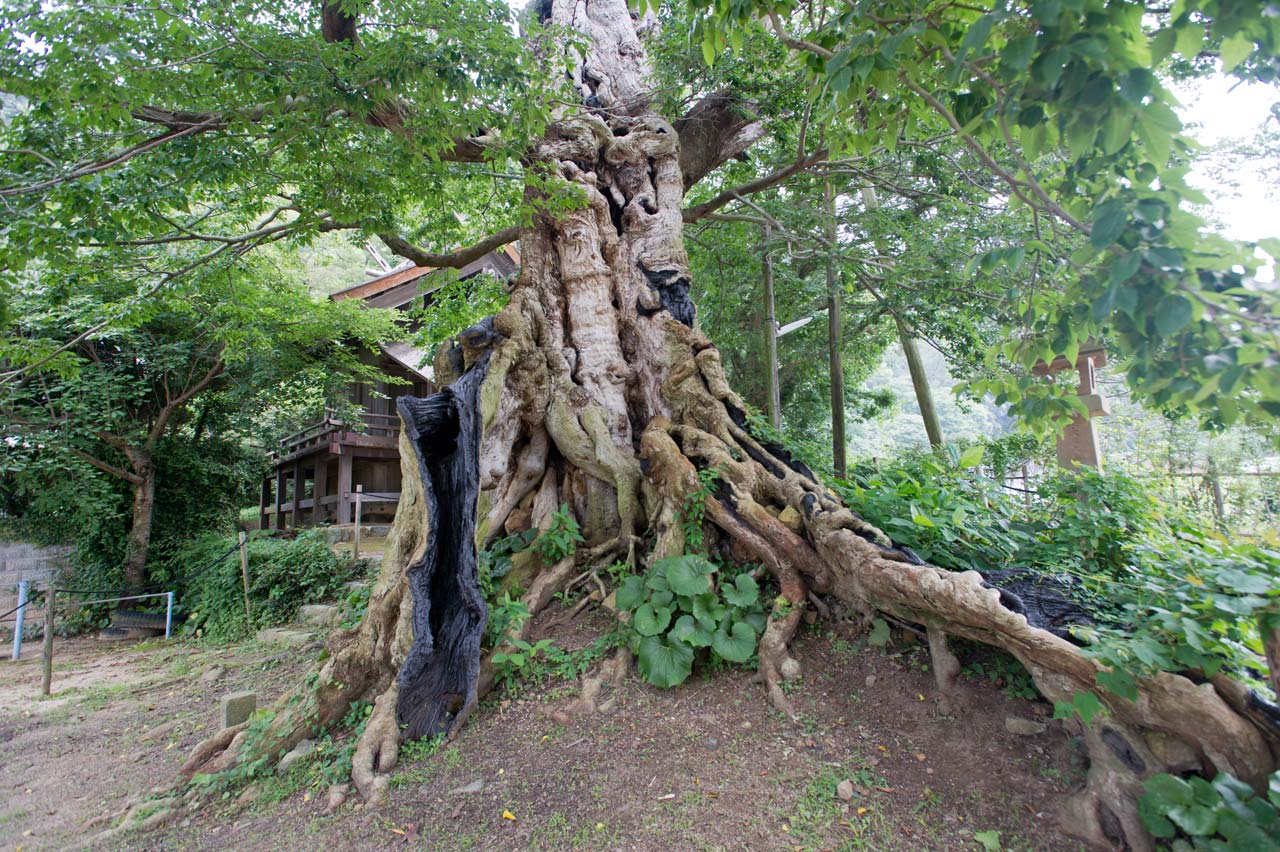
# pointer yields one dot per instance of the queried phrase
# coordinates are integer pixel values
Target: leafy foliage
(1063, 103)
(1215, 816)
(283, 575)
(678, 609)
(1168, 594)
(457, 305)
(561, 538)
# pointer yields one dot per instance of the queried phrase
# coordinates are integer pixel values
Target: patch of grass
(11, 817)
(98, 697)
(820, 821)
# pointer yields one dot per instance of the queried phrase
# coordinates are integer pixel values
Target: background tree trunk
(835, 344)
(772, 385)
(920, 382)
(144, 498)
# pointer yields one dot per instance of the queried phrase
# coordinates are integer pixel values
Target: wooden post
(46, 677)
(359, 503)
(319, 489)
(299, 486)
(344, 486)
(264, 520)
(772, 390)
(244, 576)
(279, 522)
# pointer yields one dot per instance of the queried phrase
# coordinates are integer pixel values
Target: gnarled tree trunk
(595, 388)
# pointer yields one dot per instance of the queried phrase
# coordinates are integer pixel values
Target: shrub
(283, 575)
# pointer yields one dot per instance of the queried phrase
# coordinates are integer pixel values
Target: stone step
(287, 636)
(320, 615)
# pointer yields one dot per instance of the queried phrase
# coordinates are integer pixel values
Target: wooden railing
(377, 425)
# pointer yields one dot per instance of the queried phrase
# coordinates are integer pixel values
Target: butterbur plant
(678, 609)
(1218, 815)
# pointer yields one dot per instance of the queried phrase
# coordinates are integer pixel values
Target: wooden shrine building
(316, 471)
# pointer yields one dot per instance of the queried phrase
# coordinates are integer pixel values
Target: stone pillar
(1078, 443)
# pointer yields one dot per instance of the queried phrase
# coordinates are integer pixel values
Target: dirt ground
(706, 766)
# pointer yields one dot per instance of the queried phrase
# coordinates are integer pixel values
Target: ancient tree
(595, 388)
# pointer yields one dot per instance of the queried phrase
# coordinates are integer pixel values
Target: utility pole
(834, 343)
(773, 390)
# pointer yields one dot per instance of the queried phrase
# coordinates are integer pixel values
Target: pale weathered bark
(598, 391)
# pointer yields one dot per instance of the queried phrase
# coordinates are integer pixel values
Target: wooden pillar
(264, 498)
(299, 485)
(280, 498)
(344, 487)
(319, 489)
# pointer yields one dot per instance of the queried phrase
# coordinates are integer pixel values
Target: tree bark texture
(596, 389)
(144, 499)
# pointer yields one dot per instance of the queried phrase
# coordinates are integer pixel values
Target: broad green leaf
(689, 631)
(649, 621)
(631, 593)
(989, 840)
(1173, 314)
(737, 645)
(744, 591)
(1109, 219)
(972, 457)
(663, 663)
(688, 575)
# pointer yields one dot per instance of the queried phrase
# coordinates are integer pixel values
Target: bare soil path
(707, 766)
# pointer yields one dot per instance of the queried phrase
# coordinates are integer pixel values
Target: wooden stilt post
(359, 503)
(46, 678)
(244, 576)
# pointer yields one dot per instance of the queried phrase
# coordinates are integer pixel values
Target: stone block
(319, 615)
(237, 707)
(285, 636)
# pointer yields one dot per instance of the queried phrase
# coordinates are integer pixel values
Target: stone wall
(22, 561)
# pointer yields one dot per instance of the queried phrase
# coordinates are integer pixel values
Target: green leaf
(737, 645)
(989, 840)
(1087, 705)
(1109, 219)
(1173, 314)
(743, 592)
(708, 610)
(687, 575)
(879, 635)
(1196, 820)
(972, 457)
(663, 663)
(631, 593)
(1125, 266)
(1118, 682)
(649, 621)
(690, 632)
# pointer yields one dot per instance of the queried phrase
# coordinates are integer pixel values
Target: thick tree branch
(718, 128)
(452, 260)
(698, 211)
(110, 469)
